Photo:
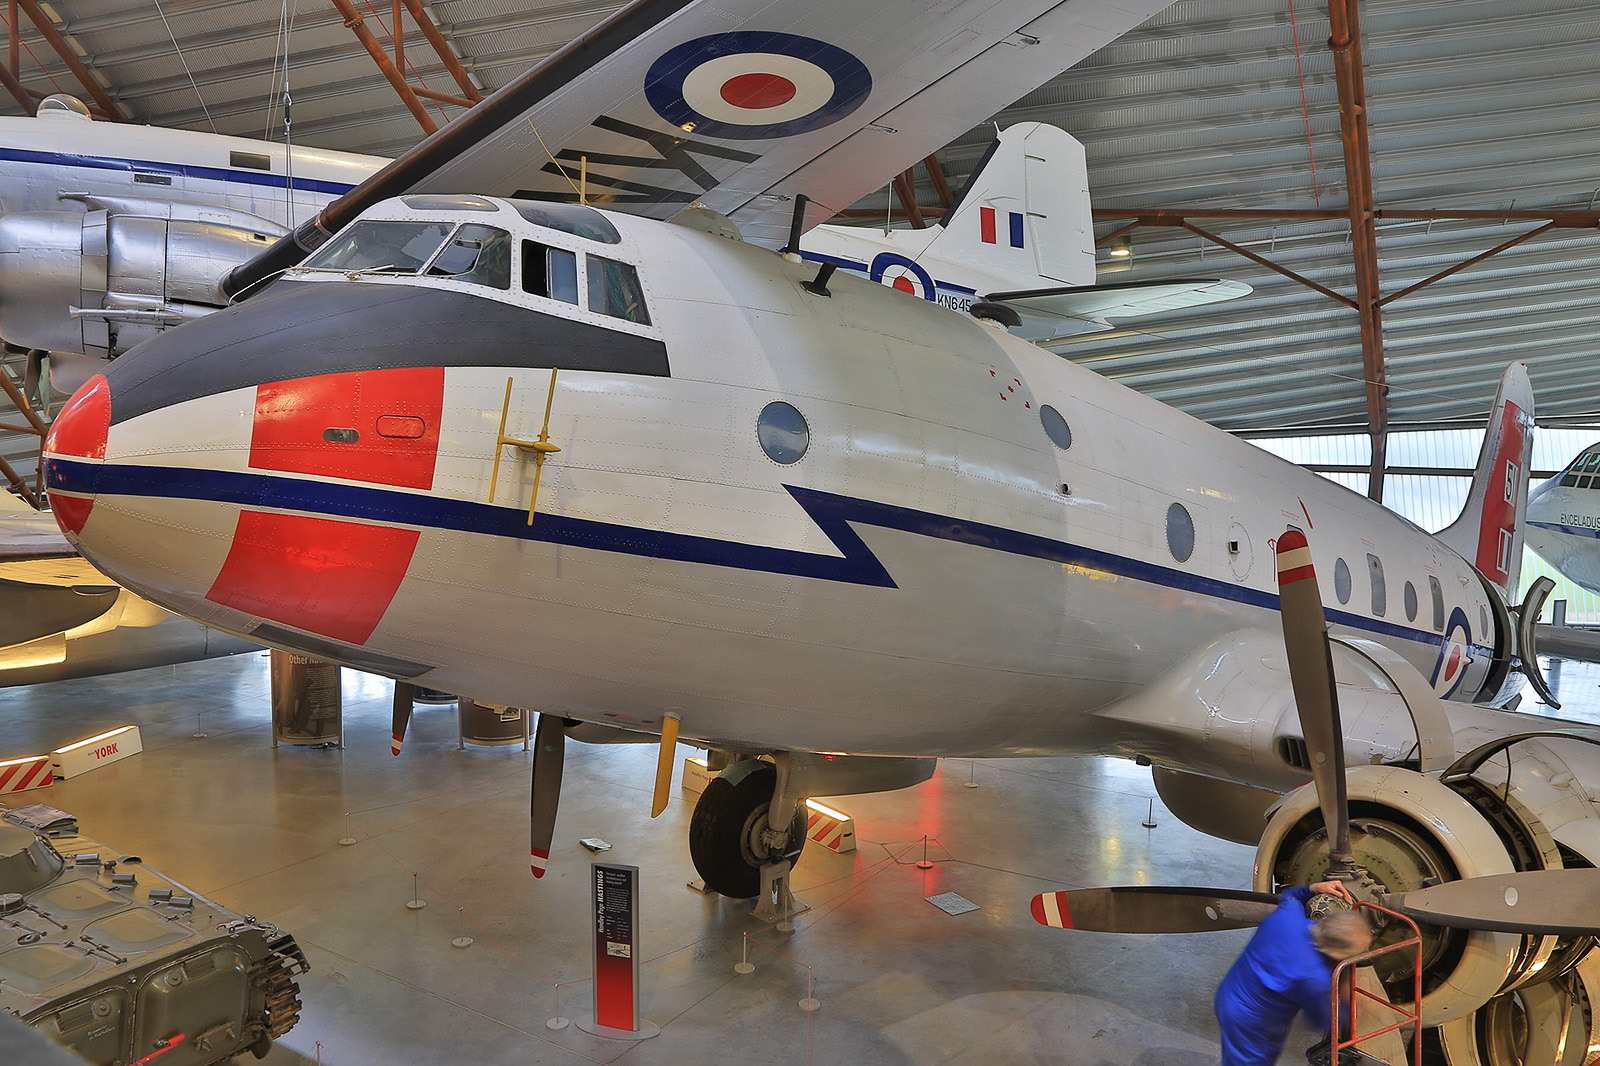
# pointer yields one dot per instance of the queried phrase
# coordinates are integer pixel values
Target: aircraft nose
(75, 445)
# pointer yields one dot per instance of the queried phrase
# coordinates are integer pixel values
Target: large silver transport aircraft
(654, 477)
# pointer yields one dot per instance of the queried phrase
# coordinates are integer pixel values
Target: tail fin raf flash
(1024, 212)
(1489, 531)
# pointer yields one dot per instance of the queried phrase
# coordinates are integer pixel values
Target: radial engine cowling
(1409, 830)
(99, 282)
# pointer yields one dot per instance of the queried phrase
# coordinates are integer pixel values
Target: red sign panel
(616, 946)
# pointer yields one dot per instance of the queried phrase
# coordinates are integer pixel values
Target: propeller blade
(403, 693)
(1141, 909)
(1565, 902)
(549, 754)
(1305, 638)
(669, 750)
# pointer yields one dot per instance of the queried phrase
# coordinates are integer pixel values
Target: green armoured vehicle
(108, 958)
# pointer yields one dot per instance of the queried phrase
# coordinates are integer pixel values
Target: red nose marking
(317, 574)
(80, 430)
(395, 414)
(81, 427)
(758, 91)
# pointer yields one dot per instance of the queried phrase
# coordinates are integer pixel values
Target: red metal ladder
(1412, 1018)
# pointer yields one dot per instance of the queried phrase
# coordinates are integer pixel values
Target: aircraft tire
(725, 832)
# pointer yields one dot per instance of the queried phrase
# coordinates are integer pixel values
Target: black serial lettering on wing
(683, 162)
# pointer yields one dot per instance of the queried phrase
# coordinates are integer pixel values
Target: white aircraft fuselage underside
(933, 577)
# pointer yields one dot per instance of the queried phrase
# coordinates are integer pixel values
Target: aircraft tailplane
(1024, 211)
(1489, 531)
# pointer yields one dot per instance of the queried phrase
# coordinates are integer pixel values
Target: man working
(1286, 967)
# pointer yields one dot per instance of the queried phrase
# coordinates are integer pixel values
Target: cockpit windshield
(466, 252)
(1581, 472)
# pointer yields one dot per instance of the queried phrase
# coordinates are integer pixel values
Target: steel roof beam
(441, 48)
(16, 89)
(63, 48)
(1345, 42)
(397, 80)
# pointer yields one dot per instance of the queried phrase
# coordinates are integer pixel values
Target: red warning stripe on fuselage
(327, 577)
(380, 426)
(1498, 522)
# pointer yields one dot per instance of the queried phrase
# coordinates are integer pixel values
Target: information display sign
(616, 955)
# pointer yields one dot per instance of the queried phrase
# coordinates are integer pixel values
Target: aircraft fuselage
(934, 575)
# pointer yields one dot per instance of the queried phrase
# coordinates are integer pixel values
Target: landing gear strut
(730, 838)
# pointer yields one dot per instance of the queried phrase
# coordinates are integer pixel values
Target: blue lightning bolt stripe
(833, 514)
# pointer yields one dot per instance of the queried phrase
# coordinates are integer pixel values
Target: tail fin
(1489, 531)
(1024, 212)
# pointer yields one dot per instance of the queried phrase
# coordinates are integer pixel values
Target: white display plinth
(86, 755)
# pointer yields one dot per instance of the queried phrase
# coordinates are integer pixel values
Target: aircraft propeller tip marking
(1050, 908)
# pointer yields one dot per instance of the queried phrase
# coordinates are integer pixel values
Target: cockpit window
(469, 252)
(476, 253)
(549, 272)
(576, 219)
(1585, 464)
(382, 247)
(436, 202)
(614, 290)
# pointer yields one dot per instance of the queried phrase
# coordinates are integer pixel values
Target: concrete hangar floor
(898, 980)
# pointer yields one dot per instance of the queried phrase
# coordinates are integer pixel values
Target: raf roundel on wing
(754, 84)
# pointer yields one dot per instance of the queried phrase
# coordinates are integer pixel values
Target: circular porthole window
(1180, 532)
(783, 432)
(1411, 602)
(1055, 427)
(1341, 580)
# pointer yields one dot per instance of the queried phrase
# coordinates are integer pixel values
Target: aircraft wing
(46, 587)
(742, 105)
(1057, 312)
(1563, 642)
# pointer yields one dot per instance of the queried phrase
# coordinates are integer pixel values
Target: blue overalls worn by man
(1287, 967)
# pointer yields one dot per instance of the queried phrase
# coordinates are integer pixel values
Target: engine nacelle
(1410, 830)
(99, 282)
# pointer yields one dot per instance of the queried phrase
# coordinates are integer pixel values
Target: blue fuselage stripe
(835, 515)
(1571, 531)
(145, 166)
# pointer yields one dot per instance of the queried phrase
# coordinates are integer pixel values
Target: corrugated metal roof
(1481, 105)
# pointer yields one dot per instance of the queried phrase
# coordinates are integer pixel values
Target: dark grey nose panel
(305, 329)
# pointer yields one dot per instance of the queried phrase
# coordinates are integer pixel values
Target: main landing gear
(749, 826)
(730, 835)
